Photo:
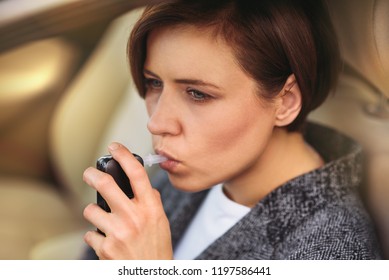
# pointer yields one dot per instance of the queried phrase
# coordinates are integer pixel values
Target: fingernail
(113, 146)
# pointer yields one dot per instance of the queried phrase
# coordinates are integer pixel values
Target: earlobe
(290, 102)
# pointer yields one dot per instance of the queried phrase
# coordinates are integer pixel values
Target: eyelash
(192, 92)
(150, 86)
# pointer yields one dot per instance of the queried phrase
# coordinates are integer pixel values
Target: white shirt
(216, 215)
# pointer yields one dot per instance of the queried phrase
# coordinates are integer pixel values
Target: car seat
(40, 220)
(359, 107)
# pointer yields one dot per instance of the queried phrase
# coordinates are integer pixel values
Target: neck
(286, 157)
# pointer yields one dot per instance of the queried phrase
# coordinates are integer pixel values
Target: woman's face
(205, 115)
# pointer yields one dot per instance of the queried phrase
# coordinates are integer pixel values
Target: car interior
(66, 93)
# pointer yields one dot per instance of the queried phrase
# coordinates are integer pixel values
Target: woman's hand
(136, 228)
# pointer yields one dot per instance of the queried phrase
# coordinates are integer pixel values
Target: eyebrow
(195, 82)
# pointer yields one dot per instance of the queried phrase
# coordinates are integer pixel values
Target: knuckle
(154, 202)
(106, 251)
(122, 235)
(137, 173)
(157, 194)
(105, 181)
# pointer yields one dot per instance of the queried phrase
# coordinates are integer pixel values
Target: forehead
(187, 38)
(202, 33)
(191, 50)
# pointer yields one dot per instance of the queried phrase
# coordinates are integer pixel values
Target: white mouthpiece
(150, 159)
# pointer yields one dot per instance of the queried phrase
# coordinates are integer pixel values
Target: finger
(94, 240)
(135, 171)
(106, 186)
(97, 216)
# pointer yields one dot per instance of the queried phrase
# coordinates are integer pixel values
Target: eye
(197, 96)
(153, 84)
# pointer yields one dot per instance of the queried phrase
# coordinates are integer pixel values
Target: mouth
(171, 164)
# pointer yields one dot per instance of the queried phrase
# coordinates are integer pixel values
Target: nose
(164, 115)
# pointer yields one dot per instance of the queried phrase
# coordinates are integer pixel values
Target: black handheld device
(108, 165)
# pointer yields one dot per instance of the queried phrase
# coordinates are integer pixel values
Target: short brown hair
(271, 40)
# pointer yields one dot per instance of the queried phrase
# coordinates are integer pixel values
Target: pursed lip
(165, 154)
(170, 164)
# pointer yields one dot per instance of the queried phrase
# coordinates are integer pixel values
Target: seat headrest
(86, 110)
(363, 32)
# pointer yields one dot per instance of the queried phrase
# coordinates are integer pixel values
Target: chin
(189, 185)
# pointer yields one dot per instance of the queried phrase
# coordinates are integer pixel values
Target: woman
(228, 86)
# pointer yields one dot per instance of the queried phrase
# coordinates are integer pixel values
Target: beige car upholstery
(99, 106)
(363, 30)
(31, 79)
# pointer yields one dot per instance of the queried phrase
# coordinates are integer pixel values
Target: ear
(289, 102)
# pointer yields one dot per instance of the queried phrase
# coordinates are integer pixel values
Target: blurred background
(66, 93)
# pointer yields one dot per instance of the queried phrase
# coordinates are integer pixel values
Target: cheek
(230, 142)
(224, 132)
(223, 151)
(240, 129)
